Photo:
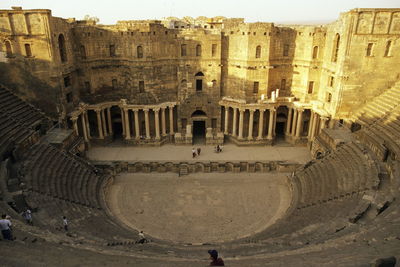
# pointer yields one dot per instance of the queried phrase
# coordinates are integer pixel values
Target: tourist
(142, 238)
(5, 227)
(65, 223)
(194, 153)
(215, 261)
(198, 151)
(28, 216)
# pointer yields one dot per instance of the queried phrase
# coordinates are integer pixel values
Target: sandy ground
(201, 207)
(184, 153)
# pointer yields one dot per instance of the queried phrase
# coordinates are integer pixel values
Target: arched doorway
(280, 125)
(116, 122)
(199, 118)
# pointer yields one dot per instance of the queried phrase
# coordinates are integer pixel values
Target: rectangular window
(310, 87)
(285, 50)
(114, 83)
(141, 86)
(387, 49)
(184, 123)
(331, 81)
(183, 50)
(67, 81)
(328, 97)
(28, 51)
(255, 87)
(283, 84)
(87, 87)
(69, 97)
(369, 49)
(213, 50)
(112, 50)
(214, 123)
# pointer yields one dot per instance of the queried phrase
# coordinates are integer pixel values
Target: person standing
(194, 153)
(198, 151)
(215, 261)
(65, 223)
(28, 216)
(142, 238)
(5, 227)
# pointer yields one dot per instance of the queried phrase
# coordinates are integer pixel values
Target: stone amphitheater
(97, 123)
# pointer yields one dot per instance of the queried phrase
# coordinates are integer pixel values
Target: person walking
(142, 238)
(194, 153)
(5, 227)
(65, 223)
(198, 151)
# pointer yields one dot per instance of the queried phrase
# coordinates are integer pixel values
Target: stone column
(163, 128)
(110, 129)
(271, 123)
(123, 121)
(157, 122)
(299, 122)
(75, 125)
(84, 128)
(314, 125)
(322, 123)
(137, 129)
(127, 127)
(104, 122)
(146, 120)
(86, 118)
(171, 119)
(99, 126)
(294, 122)
(289, 122)
(241, 115)
(310, 125)
(251, 119)
(234, 121)
(261, 125)
(226, 120)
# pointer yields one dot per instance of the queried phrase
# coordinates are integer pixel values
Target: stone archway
(199, 119)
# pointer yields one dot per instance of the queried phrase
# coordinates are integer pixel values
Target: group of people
(196, 152)
(218, 149)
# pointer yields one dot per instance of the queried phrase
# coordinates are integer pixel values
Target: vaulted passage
(199, 132)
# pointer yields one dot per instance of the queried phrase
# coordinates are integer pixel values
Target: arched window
(387, 50)
(214, 84)
(28, 51)
(183, 84)
(199, 81)
(8, 49)
(315, 52)
(335, 50)
(61, 47)
(198, 51)
(83, 52)
(139, 51)
(183, 50)
(258, 51)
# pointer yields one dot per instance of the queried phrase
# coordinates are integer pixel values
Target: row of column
(317, 123)
(126, 124)
(271, 126)
(294, 122)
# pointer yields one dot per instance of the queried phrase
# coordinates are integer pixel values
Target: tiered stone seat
(19, 110)
(343, 172)
(380, 107)
(61, 177)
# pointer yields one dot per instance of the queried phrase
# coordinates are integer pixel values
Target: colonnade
(237, 130)
(105, 124)
(294, 123)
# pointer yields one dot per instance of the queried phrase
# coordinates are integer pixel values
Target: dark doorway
(117, 129)
(199, 85)
(280, 129)
(199, 132)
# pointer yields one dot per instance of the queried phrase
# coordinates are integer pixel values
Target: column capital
(251, 110)
(241, 110)
(135, 109)
(74, 118)
(146, 110)
(98, 110)
(156, 109)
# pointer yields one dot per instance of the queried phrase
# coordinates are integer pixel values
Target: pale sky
(109, 12)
